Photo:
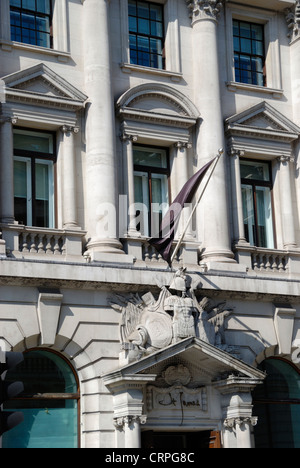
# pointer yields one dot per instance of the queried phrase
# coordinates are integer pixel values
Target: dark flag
(163, 244)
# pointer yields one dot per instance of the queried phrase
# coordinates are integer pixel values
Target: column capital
(285, 159)
(204, 9)
(235, 152)
(231, 423)
(68, 129)
(293, 21)
(124, 136)
(182, 145)
(121, 422)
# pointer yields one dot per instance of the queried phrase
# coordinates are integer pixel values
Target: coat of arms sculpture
(148, 324)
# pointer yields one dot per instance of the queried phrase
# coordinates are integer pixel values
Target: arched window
(277, 405)
(50, 403)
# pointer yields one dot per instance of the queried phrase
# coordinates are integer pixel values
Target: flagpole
(221, 151)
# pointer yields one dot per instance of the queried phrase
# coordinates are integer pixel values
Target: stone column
(293, 20)
(182, 173)
(242, 428)
(127, 141)
(101, 167)
(237, 201)
(213, 219)
(69, 178)
(131, 425)
(7, 172)
(288, 223)
(237, 410)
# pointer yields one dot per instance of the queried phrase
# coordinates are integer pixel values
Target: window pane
(264, 217)
(28, 21)
(249, 215)
(15, 18)
(257, 32)
(159, 187)
(48, 423)
(143, 26)
(150, 157)
(245, 46)
(54, 425)
(143, 9)
(15, 3)
(21, 191)
(33, 142)
(28, 5)
(43, 6)
(245, 30)
(132, 7)
(44, 193)
(43, 372)
(141, 197)
(255, 170)
(132, 24)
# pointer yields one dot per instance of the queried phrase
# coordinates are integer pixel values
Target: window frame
(254, 74)
(272, 49)
(173, 62)
(59, 396)
(140, 169)
(260, 183)
(275, 401)
(36, 14)
(31, 158)
(149, 36)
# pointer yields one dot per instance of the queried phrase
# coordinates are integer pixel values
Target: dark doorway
(180, 440)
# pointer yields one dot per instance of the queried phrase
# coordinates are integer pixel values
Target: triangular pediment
(263, 121)
(40, 84)
(210, 362)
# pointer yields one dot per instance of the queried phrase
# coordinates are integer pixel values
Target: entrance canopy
(188, 386)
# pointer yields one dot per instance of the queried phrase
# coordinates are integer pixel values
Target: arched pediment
(157, 103)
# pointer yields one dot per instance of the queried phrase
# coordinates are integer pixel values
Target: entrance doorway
(181, 440)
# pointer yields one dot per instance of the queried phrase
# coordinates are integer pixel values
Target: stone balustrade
(40, 243)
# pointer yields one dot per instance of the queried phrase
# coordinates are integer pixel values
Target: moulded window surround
(269, 20)
(60, 44)
(34, 160)
(172, 66)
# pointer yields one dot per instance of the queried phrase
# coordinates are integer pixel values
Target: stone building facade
(107, 108)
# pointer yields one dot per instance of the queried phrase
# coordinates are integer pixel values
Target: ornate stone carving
(176, 394)
(204, 9)
(148, 324)
(293, 20)
(119, 423)
(231, 423)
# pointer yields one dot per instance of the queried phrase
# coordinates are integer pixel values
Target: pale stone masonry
(68, 286)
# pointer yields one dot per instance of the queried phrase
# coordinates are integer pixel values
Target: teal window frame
(277, 405)
(51, 394)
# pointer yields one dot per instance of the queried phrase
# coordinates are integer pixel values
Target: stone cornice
(204, 9)
(293, 20)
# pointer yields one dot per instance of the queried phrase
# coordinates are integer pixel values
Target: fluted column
(293, 20)
(127, 141)
(236, 195)
(287, 210)
(7, 171)
(182, 173)
(213, 220)
(69, 178)
(101, 177)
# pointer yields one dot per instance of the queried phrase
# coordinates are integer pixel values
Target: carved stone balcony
(42, 243)
(144, 252)
(268, 261)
